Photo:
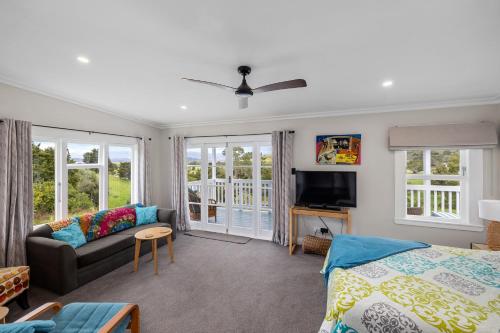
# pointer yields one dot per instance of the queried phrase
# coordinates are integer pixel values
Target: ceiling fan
(244, 91)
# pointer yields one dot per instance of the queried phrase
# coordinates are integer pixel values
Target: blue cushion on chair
(87, 317)
(32, 326)
(146, 215)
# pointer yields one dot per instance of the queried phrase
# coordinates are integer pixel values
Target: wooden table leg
(349, 224)
(155, 254)
(137, 253)
(170, 248)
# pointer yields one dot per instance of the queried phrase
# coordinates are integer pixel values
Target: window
(436, 187)
(44, 181)
(82, 161)
(70, 175)
(119, 176)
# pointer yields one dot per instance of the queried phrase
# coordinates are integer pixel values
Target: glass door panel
(243, 193)
(216, 184)
(193, 162)
(266, 173)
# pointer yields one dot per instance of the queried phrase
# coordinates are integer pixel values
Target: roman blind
(464, 136)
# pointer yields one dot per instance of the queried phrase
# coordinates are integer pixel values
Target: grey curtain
(179, 202)
(16, 191)
(282, 142)
(144, 172)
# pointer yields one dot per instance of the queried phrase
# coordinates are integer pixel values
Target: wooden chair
(194, 207)
(131, 310)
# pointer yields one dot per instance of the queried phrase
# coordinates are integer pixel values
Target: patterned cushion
(58, 225)
(13, 281)
(106, 222)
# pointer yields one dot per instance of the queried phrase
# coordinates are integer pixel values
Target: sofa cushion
(72, 234)
(99, 249)
(107, 222)
(146, 215)
(133, 230)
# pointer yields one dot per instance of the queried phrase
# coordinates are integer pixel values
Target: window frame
(471, 189)
(61, 138)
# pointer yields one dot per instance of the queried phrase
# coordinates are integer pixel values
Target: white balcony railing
(435, 200)
(243, 192)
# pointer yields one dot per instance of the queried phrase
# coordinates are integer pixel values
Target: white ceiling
(441, 52)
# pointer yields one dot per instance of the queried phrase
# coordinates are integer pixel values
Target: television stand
(343, 215)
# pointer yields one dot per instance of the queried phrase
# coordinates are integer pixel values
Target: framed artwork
(338, 149)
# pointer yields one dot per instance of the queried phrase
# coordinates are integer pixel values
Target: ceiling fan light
(244, 94)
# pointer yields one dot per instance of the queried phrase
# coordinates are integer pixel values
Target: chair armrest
(52, 306)
(168, 216)
(129, 309)
(52, 264)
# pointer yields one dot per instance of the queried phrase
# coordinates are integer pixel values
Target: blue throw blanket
(349, 251)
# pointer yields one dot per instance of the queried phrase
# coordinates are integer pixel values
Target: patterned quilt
(437, 289)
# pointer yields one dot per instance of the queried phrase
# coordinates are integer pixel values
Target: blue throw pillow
(72, 234)
(146, 215)
(31, 326)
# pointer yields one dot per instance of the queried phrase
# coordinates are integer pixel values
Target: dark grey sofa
(56, 266)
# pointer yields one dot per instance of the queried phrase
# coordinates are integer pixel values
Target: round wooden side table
(4, 311)
(153, 234)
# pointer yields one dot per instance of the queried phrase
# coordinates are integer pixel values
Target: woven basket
(493, 236)
(316, 245)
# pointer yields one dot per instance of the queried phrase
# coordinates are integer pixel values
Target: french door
(229, 185)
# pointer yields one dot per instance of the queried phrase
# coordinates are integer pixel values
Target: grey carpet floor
(213, 286)
(218, 236)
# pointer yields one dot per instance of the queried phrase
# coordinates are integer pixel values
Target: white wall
(375, 212)
(39, 109)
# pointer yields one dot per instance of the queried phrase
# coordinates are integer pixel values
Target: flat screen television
(325, 189)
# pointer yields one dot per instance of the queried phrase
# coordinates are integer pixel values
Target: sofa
(57, 266)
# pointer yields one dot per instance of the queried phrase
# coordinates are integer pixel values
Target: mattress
(436, 289)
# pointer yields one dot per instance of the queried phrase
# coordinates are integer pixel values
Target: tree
(124, 170)
(91, 157)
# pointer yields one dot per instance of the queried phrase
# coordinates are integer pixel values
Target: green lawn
(119, 192)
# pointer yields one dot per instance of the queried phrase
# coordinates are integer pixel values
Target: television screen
(325, 189)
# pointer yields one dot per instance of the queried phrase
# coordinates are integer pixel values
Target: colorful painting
(338, 149)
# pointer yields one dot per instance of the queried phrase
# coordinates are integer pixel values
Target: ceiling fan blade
(243, 102)
(213, 84)
(299, 83)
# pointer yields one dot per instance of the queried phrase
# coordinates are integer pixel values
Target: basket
(316, 245)
(493, 236)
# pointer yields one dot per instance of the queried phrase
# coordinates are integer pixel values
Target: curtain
(462, 136)
(282, 142)
(16, 191)
(144, 172)
(179, 183)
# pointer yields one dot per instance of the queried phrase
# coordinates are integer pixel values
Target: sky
(116, 153)
(195, 153)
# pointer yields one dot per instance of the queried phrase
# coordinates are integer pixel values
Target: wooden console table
(343, 215)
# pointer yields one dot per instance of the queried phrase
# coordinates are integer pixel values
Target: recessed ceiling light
(387, 84)
(83, 60)
(183, 107)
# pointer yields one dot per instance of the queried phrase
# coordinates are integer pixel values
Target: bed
(434, 289)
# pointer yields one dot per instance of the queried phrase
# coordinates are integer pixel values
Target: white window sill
(442, 224)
